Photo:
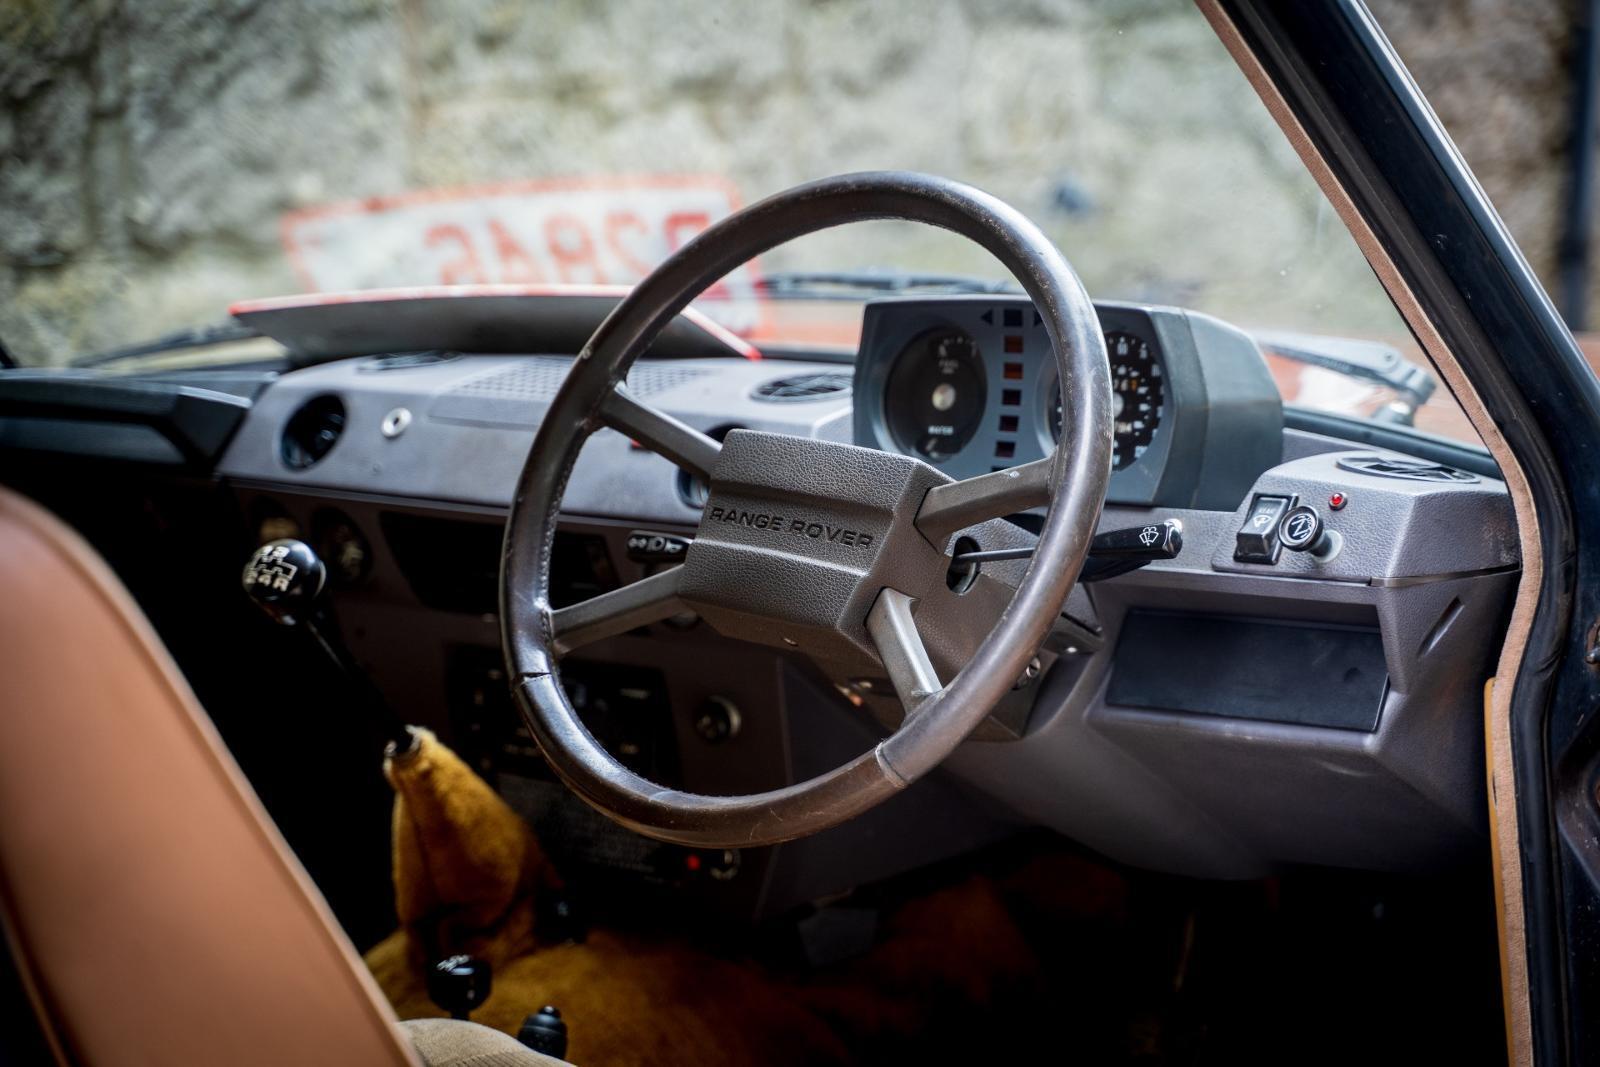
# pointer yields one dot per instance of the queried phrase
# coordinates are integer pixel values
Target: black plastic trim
(197, 422)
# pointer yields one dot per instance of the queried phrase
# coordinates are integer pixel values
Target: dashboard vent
(818, 386)
(1412, 470)
(312, 431)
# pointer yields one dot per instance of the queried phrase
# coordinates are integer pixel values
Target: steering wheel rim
(1073, 480)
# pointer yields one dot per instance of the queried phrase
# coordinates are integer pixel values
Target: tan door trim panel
(1497, 724)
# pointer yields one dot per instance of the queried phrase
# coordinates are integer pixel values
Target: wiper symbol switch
(1257, 539)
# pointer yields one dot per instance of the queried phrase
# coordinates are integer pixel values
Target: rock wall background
(149, 148)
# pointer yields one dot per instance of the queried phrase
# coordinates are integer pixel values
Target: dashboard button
(1257, 540)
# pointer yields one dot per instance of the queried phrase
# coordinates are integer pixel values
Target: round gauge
(1137, 396)
(934, 398)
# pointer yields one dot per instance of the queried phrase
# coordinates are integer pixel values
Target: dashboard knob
(1302, 531)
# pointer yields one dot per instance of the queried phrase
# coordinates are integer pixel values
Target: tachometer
(935, 395)
(1136, 397)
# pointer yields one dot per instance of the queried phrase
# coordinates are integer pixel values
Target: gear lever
(286, 579)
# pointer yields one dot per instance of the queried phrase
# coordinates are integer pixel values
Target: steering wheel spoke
(900, 647)
(952, 507)
(660, 433)
(616, 612)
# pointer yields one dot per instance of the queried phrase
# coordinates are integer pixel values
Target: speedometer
(1137, 397)
(935, 395)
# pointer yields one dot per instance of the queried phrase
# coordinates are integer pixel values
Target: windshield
(167, 160)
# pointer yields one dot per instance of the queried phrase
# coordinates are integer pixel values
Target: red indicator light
(1013, 343)
(1337, 501)
(692, 862)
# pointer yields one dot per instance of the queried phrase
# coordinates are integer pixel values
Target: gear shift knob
(285, 578)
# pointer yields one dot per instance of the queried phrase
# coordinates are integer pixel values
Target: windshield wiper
(216, 333)
(1368, 361)
(850, 284)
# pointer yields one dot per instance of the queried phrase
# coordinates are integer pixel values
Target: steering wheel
(807, 544)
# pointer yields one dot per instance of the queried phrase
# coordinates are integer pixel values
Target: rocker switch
(1257, 540)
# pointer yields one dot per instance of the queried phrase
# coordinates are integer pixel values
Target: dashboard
(1274, 695)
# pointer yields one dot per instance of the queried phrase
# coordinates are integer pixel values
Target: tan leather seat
(156, 915)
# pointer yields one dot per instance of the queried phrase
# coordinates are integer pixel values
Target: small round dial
(935, 395)
(1137, 396)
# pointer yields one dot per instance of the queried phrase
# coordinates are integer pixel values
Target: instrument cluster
(969, 384)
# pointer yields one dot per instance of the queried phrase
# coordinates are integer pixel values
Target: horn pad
(799, 536)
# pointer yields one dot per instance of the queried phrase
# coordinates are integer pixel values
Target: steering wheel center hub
(799, 536)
